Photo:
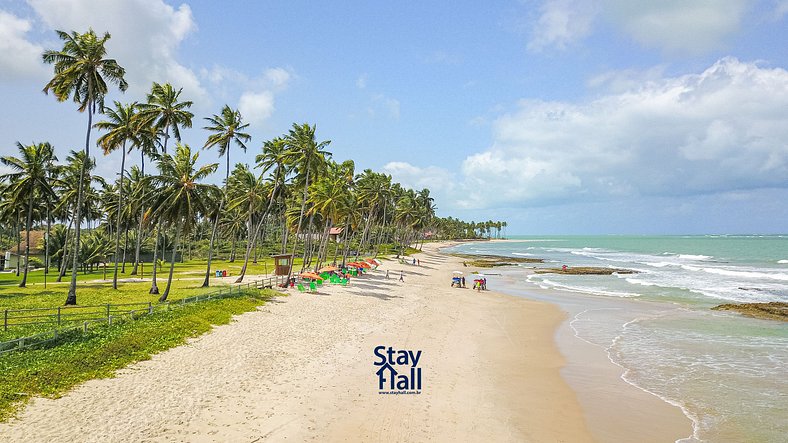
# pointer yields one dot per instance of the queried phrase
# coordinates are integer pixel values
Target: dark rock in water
(775, 310)
(584, 270)
(490, 261)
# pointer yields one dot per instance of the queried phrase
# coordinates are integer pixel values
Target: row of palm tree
(294, 196)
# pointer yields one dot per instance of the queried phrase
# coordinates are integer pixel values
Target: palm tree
(274, 157)
(330, 196)
(76, 170)
(29, 181)
(124, 125)
(227, 129)
(165, 112)
(81, 73)
(308, 157)
(181, 197)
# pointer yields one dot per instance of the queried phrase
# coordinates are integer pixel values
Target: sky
(556, 116)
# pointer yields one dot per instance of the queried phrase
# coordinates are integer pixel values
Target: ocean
(728, 373)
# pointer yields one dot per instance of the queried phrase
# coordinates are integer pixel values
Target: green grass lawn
(52, 370)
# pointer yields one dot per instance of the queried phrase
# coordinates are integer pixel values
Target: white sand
(301, 368)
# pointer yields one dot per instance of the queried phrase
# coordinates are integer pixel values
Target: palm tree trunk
(364, 235)
(120, 212)
(142, 215)
(172, 265)
(308, 244)
(232, 246)
(254, 236)
(23, 283)
(207, 280)
(46, 243)
(71, 299)
(322, 252)
(64, 258)
(382, 230)
(336, 252)
(300, 219)
(139, 242)
(18, 242)
(125, 248)
(347, 245)
(154, 288)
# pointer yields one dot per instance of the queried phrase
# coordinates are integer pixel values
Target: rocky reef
(772, 311)
(491, 261)
(583, 270)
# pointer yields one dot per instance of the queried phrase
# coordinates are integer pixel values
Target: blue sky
(573, 117)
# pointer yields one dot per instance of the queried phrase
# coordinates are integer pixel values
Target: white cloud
(256, 107)
(672, 25)
(718, 131)
(437, 179)
(678, 25)
(391, 105)
(780, 9)
(19, 58)
(145, 38)
(278, 77)
(561, 23)
(361, 82)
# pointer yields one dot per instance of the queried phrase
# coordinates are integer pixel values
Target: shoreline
(301, 367)
(617, 409)
(496, 368)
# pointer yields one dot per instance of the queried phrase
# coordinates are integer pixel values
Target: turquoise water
(728, 373)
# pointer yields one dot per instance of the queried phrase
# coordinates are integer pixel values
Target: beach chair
(312, 286)
(343, 281)
(301, 288)
(320, 283)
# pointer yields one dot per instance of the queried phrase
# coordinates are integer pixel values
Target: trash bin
(224, 273)
(218, 273)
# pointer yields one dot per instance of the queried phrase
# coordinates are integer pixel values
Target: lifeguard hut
(282, 263)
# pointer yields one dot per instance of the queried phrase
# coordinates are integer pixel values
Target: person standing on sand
(387, 274)
(463, 281)
(400, 276)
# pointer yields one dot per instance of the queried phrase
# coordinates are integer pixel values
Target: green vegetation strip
(52, 370)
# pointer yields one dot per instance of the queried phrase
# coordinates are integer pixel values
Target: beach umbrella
(364, 265)
(457, 272)
(311, 275)
(327, 269)
(373, 261)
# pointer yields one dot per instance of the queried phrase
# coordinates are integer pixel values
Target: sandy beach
(301, 368)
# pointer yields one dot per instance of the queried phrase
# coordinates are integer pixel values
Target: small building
(335, 233)
(282, 263)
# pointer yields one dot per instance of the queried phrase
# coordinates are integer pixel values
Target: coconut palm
(181, 197)
(123, 127)
(82, 73)
(227, 128)
(29, 182)
(165, 112)
(273, 157)
(308, 157)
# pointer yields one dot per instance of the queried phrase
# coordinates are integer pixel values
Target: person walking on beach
(418, 262)
(463, 281)
(387, 274)
(401, 277)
